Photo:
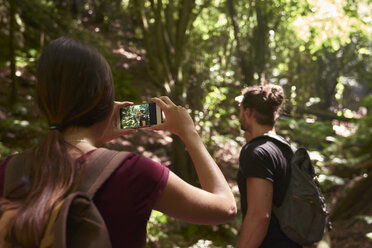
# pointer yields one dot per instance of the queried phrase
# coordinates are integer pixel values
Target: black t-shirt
(267, 159)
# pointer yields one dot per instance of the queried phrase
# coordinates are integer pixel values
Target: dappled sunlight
(329, 20)
(344, 129)
(150, 144)
(315, 155)
(127, 54)
(125, 143)
(228, 149)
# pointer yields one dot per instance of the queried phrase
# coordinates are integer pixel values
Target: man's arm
(257, 218)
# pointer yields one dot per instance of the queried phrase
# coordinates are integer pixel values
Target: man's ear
(248, 112)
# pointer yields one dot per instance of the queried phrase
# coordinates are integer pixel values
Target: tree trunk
(181, 161)
(165, 39)
(356, 200)
(247, 70)
(322, 114)
(13, 93)
(260, 38)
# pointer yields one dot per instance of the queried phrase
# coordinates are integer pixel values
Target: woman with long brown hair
(75, 93)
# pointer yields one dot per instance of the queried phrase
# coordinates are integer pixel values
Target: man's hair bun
(266, 99)
(274, 95)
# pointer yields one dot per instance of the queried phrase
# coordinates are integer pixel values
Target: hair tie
(55, 126)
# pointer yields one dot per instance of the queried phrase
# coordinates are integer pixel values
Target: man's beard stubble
(245, 127)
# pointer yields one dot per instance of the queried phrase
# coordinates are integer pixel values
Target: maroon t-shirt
(126, 199)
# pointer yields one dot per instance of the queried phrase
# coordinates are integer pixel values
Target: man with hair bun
(263, 174)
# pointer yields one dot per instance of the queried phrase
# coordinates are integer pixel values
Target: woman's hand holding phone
(112, 130)
(177, 119)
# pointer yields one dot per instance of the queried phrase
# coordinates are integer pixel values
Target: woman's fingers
(160, 103)
(118, 104)
(163, 102)
(167, 100)
(177, 119)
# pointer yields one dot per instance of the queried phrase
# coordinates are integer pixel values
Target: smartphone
(140, 115)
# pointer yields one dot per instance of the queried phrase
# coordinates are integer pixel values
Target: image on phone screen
(140, 115)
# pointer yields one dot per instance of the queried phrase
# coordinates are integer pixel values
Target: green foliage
(165, 232)
(125, 89)
(369, 235)
(4, 151)
(330, 182)
(329, 24)
(156, 225)
(18, 134)
(357, 147)
(306, 132)
(366, 218)
(354, 149)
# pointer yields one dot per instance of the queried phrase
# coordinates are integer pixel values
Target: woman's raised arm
(214, 203)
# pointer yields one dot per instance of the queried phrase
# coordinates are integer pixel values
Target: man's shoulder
(257, 149)
(266, 146)
(261, 143)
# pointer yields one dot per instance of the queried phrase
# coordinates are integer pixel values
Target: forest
(202, 53)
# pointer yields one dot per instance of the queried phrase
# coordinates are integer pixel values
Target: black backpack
(75, 222)
(302, 215)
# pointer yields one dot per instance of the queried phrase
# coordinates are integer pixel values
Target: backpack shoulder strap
(291, 149)
(274, 137)
(100, 165)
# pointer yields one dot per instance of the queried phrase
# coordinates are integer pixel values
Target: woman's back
(126, 199)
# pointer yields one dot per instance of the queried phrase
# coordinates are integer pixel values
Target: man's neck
(258, 130)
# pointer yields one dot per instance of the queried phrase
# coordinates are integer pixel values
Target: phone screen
(140, 115)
